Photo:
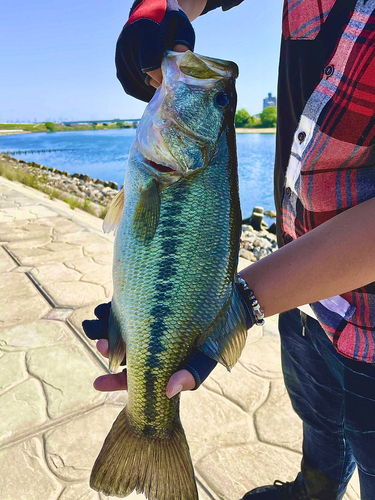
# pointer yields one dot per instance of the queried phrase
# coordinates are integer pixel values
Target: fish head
(181, 126)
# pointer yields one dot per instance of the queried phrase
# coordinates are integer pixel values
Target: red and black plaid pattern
(302, 19)
(332, 163)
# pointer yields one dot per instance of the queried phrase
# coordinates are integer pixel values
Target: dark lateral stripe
(169, 227)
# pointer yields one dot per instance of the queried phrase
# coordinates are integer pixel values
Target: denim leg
(318, 398)
(358, 382)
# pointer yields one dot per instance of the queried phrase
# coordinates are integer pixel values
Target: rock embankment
(257, 239)
(79, 185)
(256, 244)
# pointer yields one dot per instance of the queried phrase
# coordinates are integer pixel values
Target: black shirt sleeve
(224, 4)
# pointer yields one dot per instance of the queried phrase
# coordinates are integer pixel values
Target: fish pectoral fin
(117, 348)
(147, 213)
(226, 338)
(114, 214)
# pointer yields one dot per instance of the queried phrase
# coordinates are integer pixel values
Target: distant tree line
(266, 119)
(58, 127)
(124, 125)
(50, 126)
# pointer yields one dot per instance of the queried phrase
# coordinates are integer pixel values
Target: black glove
(199, 365)
(153, 27)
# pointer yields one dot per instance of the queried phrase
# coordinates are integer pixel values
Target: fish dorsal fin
(147, 213)
(114, 214)
(226, 338)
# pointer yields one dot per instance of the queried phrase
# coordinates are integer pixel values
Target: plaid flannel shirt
(325, 157)
(331, 163)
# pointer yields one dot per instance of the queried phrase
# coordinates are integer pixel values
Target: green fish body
(175, 258)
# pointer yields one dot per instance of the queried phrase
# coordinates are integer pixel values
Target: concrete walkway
(55, 266)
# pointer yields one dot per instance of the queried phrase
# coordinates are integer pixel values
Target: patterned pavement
(55, 266)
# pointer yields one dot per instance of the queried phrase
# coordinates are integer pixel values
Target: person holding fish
(325, 200)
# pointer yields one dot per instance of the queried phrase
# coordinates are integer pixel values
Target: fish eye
(222, 99)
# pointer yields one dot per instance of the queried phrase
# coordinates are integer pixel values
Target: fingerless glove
(153, 27)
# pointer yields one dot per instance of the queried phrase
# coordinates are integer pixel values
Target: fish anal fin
(147, 213)
(117, 348)
(114, 214)
(130, 460)
(226, 338)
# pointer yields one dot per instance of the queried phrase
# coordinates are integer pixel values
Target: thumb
(182, 380)
(180, 48)
(156, 76)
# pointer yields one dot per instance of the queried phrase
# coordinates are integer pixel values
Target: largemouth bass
(178, 225)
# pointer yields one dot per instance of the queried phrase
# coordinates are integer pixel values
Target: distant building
(269, 101)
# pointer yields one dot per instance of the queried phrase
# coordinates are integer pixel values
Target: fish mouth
(163, 169)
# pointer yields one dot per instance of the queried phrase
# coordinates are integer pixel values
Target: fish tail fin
(117, 348)
(159, 467)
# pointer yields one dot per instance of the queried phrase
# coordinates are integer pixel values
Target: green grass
(73, 202)
(40, 127)
(19, 175)
(39, 183)
(30, 127)
(88, 207)
(103, 212)
(54, 193)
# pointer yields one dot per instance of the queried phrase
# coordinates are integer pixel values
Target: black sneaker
(277, 491)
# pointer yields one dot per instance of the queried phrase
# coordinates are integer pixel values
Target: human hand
(153, 27)
(197, 369)
(156, 76)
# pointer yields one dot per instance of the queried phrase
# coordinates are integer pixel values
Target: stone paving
(55, 266)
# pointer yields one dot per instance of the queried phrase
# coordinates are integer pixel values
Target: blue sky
(57, 58)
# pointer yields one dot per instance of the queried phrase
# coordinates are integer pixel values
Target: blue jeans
(335, 398)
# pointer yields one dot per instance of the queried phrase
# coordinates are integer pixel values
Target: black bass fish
(178, 225)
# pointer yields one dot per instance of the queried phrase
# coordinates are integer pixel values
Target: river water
(103, 154)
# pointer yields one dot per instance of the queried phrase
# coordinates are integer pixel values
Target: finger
(102, 311)
(180, 48)
(112, 382)
(200, 366)
(182, 380)
(102, 346)
(154, 83)
(156, 75)
(95, 328)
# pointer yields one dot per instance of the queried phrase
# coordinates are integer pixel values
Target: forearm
(192, 8)
(332, 259)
